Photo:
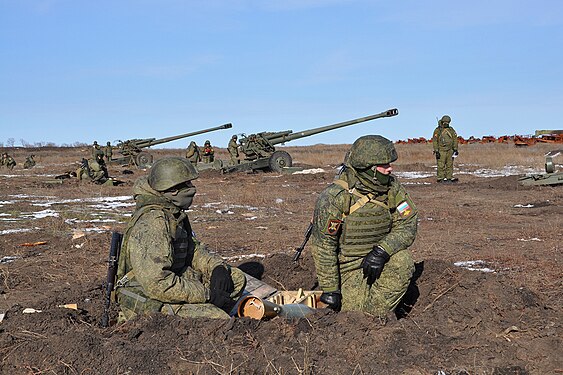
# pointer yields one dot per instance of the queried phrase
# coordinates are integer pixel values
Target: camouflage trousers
(383, 295)
(445, 167)
(130, 307)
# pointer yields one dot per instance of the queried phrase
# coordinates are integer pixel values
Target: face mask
(384, 179)
(181, 198)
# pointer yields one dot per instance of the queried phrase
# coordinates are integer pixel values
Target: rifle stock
(113, 260)
(299, 250)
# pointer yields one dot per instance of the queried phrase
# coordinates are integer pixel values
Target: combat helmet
(446, 119)
(371, 150)
(207, 143)
(169, 172)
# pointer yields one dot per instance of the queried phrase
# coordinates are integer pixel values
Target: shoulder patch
(333, 226)
(404, 209)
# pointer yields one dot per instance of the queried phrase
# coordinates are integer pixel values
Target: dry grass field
(486, 300)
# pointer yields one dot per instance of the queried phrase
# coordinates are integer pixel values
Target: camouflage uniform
(29, 162)
(8, 161)
(444, 141)
(162, 266)
(352, 216)
(95, 170)
(192, 153)
(233, 150)
(108, 152)
(208, 154)
(95, 149)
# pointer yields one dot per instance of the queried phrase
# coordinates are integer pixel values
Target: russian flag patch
(404, 209)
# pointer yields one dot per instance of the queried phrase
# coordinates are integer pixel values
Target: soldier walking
(363, 225)
(445, 142)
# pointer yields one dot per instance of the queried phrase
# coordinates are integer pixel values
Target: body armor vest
(364, 225)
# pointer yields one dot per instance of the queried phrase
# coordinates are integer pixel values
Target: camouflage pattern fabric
(168, 268)
(445, 141)
(233, 151)
(95, 171)
(108, 152)
(345, 229)
(29, 162)
(192, 153)
(9, 162)
(208, 154)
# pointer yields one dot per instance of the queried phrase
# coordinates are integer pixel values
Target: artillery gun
(260, 152)
(133, 153)
(551, 177)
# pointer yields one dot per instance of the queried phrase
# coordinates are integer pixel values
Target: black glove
(437, 154)
(456, 153)
(373, 264)
(221, 280)
(332, 299)
(221, 299)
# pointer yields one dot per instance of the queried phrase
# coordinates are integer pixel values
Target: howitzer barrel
(282, 138)
(152, 142)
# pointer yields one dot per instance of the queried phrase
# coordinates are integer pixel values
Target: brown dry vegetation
(463, 322)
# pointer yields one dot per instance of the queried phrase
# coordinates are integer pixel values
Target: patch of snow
(529, 239)
(474, 265)
(523, 206)
(244, 256)
(8, 259)
(10, 231)
(40, 214)
(310, 171)
(278, 200)
(413, 175)
(252, 218)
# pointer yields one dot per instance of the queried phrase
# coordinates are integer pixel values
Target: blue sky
(78, 71)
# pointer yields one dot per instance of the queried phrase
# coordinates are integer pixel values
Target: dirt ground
(499, 315)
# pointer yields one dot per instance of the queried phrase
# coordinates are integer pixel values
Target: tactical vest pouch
(136, 302)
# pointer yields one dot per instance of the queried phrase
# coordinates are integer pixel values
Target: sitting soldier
(29, 162)
(163, 268)
(8, 161)
(95, 170)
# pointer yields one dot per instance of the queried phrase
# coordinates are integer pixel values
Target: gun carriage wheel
(144, 159)
(280, 160)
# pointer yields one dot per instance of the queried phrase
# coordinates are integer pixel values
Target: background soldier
(95, 149)
(8, 161)
(108, 151)
(95, 170)
(208, 154)
(444, 141)
(233, 150)
(192, 153)
(162, 266)
(363, 224)
(29, 162)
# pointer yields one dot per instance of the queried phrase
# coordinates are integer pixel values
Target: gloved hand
(373, 264)
(221, 299)
(455, 153)
(332, 299)
(221, 280)
(437, 154)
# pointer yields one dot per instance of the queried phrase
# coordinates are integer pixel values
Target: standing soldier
(192, 153)
(95, 149)
(363, 224)
(163, 268)
(208, 153)
(29, 162)
(108, 151)
(445, 142)
(233, 150)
